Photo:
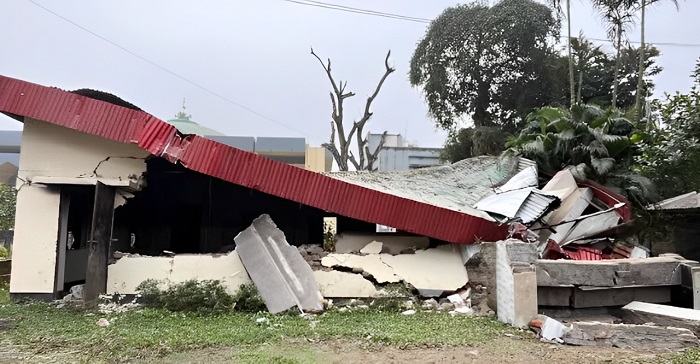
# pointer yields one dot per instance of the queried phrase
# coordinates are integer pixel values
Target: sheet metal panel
(240, 167)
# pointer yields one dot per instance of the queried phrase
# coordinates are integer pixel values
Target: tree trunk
(639, 99)
(617, 66)
(571, 60)
(580, 85)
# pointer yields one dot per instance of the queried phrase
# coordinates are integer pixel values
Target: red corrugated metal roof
(240, 167)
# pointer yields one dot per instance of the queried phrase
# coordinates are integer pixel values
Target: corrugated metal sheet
(690, 200)
(610, 198)
(243, 168)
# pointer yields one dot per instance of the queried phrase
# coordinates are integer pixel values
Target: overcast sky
(221, 55)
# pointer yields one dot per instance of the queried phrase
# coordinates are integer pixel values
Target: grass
(156, 332)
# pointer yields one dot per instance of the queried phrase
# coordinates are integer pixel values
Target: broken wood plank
(661, 315)
(638, 337)
(98, 246)
(282, 276)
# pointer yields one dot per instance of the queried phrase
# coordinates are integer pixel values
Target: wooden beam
(98, 245)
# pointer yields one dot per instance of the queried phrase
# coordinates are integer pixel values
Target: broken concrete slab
(656, 271)
(661, 315)
(370, 264)
(280, 273)
(335, 284)
(129, 271)
(431, 271)
(374, 247)
(638, 337)
(392, 244)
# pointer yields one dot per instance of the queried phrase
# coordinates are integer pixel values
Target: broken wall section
(129, 271)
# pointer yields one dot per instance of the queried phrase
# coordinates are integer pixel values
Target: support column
(98, 245)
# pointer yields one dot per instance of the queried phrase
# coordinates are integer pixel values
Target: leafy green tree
(490, 64)
(471, 142)
(594, 140)
(670, 147)
(8, 201)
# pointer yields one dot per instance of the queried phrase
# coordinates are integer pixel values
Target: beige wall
(317, 159)
(128, 272)
(54, 151)
(36, 236)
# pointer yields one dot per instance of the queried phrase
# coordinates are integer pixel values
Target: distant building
(397, 155)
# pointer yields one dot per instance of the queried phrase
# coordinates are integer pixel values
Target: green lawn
(155, 332)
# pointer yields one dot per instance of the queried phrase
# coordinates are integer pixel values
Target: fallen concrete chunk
(336, 284)
(392, 244)
(661, 315)
(370, 264)
(280, 273)
(374, 247)
(431, 271)
(641, 337)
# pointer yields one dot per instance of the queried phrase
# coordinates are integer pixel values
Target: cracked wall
(54, 151)
(128, 272)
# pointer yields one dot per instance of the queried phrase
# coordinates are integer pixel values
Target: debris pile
(568, 219)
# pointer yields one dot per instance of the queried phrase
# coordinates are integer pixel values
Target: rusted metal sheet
(24, 99)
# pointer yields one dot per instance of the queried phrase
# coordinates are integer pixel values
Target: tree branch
(372, 156)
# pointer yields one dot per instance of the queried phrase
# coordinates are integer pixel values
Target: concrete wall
(128, 272)
(318, 159)
(36, 236)
(51, 150)
(54, 151)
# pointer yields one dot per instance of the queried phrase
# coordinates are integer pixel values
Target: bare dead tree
(340, 146)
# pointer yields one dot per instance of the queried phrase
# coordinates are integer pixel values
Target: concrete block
(524, 298)
(619, 296)
(336, 284)
(374, 247)
(517, 291)
(661, 315)
(555, 296)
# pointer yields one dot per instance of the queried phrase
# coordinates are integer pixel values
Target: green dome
(185, 125)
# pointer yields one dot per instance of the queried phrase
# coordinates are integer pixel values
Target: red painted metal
(109, 121)
(610, 198)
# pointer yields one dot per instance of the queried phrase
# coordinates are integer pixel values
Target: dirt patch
(502, 350)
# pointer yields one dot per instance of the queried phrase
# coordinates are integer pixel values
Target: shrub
(207, 296)
(4, 253)
(248, 299)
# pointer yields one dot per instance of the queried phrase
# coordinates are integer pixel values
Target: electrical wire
(325, 5)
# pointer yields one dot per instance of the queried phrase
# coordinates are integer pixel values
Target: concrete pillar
(516, 282)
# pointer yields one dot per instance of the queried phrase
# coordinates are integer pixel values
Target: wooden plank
(98, 246)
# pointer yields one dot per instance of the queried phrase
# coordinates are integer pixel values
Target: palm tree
(584, 135)
(619, 15)
(640, 79)
(585, 54)
(557, 7)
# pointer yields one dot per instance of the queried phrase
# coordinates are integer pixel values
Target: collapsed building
(110, 196)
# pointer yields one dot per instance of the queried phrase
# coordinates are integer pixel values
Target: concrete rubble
(280, 273)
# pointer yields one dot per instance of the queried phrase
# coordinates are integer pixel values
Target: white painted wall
(55, 151)
(128, 272)
(36, 236)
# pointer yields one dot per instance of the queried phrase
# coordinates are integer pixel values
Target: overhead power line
(172, 73)
(325, 5)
